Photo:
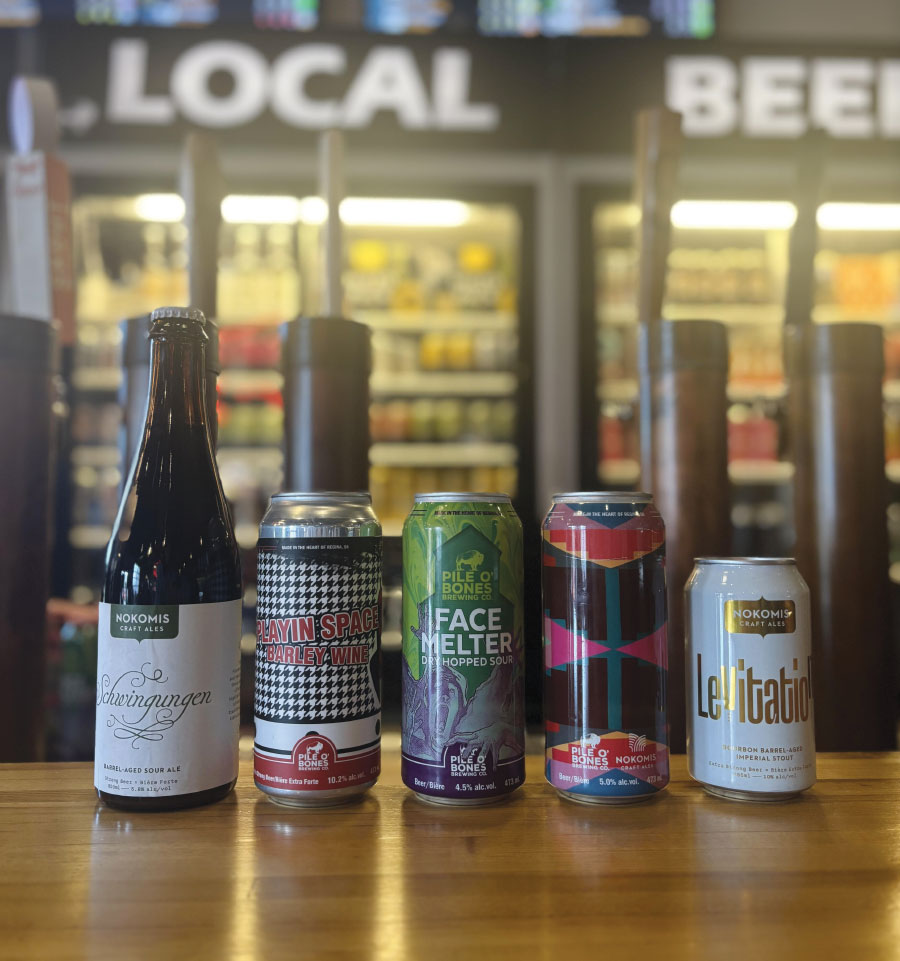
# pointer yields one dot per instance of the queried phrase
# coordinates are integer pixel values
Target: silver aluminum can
(750, 732)
(318, 649)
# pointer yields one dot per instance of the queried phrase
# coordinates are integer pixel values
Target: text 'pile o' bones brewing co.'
(463, 713)
(318, 649)
(750, 694)
(604, 599)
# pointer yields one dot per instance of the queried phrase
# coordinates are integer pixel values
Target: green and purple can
(463, 720)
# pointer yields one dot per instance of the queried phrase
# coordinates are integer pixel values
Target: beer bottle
(168, 672)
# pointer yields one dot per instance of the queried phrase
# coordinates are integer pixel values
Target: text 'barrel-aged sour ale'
(168, 667)
(463, 717)
(750, 724)
(318, 649)
(605, 665)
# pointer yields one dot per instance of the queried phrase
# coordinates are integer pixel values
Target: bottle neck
(177, 384)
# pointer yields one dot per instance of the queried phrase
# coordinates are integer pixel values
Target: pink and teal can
(604, 599)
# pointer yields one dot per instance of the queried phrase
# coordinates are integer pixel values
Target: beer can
(463, 720)
(318, 649)
(604, 601)
(750, 733)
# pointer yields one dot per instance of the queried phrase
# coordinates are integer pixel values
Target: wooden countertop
(682, 876)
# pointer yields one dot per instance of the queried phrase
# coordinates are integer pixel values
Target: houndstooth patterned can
(318, 649)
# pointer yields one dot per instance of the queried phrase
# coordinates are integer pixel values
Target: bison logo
(314, 753)
(470, 560)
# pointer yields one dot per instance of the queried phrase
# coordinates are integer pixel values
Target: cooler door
(858, 279)
(728, 262)
(437, 279)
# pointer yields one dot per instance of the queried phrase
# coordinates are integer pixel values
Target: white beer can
(750, 733)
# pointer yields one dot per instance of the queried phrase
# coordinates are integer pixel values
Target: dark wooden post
(26, 361)
(327, 361)
(683, 375)
(203, 188)
(836, 414)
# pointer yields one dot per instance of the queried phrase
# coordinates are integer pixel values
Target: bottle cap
(187, 321)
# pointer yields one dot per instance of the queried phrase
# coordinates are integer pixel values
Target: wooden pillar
(836, 418)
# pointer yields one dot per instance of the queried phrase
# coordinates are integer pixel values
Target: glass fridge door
(728, 262)
(437, 282)
(858, 279)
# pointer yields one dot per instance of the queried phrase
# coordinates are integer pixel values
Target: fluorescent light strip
(859, 217)
(260, 209)
(355, 211)
(733, 215)
(159, 208)
(388, 212)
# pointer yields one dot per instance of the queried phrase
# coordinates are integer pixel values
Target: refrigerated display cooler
(729, 262)
(436, 280)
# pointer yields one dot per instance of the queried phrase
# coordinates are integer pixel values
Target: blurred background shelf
(105, 379)
(442, 384)
(403, 454)
(760, 472)
(414, 323)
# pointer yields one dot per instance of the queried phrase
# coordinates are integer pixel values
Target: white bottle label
(168, 698)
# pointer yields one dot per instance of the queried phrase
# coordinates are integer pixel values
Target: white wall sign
(850, 98)
(388, 79)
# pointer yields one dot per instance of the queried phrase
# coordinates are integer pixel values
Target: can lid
(26, 342)
(326, 342)
(322, 497)
(463, 497)
(604, 497)
(748, 561)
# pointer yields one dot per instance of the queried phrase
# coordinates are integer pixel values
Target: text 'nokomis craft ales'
(168, 666)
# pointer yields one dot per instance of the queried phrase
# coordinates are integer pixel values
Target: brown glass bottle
(173, 544)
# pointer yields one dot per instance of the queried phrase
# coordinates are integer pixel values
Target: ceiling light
(859, 217)
(159, 208)
(388, 212)
(733, 215)
(260, 209)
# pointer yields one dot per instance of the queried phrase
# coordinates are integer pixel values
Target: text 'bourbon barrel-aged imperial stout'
(750, 696)
(604, 594)
(168, 666)
(318, 649)
(463, 720)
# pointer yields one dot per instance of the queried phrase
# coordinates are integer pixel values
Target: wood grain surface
(682, 876)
